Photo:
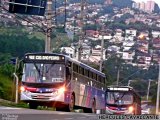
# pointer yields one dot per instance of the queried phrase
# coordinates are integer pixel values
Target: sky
(156, 1)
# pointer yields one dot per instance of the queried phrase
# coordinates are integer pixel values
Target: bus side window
(86, 73)
(68, 73)
(91, 74)
(99, 79)
(94, 76)
(75, 68)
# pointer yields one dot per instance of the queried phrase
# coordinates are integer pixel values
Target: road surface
(8, 113)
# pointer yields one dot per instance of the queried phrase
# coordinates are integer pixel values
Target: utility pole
(17, 80)
(149, 84)
(14, 79)
(158, 88)
(118, 69)
(49, 26)
(81, 38)
(118, 75)
(102, 46)
(65, 5)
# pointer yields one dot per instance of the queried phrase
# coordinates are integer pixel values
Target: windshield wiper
(119, 98)
(37, 69)
(49, 68)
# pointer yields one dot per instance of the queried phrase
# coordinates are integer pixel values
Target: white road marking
(68, 118)
(89, 115)
(9, 108)
(82, 117)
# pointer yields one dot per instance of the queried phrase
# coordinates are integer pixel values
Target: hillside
(126, 3)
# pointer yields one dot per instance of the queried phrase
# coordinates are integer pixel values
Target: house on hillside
(142, 46)
(143, 58)
(128, 56)
(155, 34)
(156, 49)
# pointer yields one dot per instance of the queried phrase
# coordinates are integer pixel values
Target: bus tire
(59, 109)
(87, 110)
(94, 106)
(33, 105)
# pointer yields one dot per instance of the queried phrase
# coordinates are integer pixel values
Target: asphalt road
(8, 113)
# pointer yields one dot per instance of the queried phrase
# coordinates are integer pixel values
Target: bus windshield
(119, 98)
(43, 73)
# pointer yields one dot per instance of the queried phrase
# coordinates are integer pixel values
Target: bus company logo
(39, 90)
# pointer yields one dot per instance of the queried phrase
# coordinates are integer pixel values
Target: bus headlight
(22, 88)
(130, 109)
(61, 90)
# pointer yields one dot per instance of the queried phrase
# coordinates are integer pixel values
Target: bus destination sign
(44, 57)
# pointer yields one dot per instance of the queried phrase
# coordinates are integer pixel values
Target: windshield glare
(43, 73)
(119, 98)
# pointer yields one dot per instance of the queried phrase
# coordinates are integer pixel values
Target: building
(155, 34)
(131, 32)
(108, 2)
(136, 5)
(147, 7)
(68, 51)
(128, 56)
(142, 6)
(150, 6)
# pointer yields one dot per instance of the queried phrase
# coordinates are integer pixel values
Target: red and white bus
(62, 82)
(122, 100)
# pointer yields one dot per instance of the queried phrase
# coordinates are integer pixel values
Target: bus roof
(85, 66)
(121, 88)
(42, 53)
(71, 59)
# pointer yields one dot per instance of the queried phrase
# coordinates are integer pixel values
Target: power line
(24, 19)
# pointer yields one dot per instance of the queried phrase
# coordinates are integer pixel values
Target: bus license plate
(40, 96)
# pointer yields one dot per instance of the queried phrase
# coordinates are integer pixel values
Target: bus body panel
(125, 106)
(54, 96)
(85, 88)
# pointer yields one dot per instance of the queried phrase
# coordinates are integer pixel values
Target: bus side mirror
(20, 67)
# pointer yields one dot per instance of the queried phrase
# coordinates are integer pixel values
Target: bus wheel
(87, 110)
(94, 106)
(59, 109)
(72, 103)
(33, 105)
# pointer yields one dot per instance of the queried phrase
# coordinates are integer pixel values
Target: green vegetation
(18, 42)
(15, 42)
(5, 87)
(119, 24)
(38, 35)
(126, 3)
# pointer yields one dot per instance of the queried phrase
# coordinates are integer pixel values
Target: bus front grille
(40, 97)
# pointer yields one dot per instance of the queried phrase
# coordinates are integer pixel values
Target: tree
(126, 3)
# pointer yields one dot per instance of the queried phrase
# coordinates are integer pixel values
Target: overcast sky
(156, 1)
